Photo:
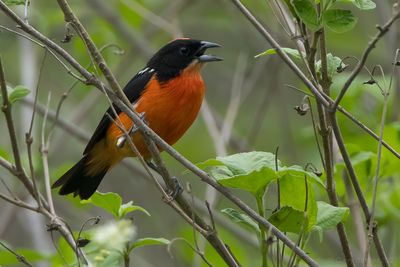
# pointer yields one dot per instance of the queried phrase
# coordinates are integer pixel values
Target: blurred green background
(263, 118)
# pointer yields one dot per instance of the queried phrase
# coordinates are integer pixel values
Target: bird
(167, 93)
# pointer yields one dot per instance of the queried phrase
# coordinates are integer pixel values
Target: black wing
(132, 90)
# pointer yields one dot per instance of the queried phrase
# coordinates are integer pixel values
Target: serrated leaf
(128, 207)
(364, 4)
(18, 93)
(238, 217)
(329, 216)
(288, 219)
(339, 20)
(148, 241)
(306, 11)
(110, 202)
(290, 51)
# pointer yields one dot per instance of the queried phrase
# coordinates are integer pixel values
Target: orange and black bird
(167, 93)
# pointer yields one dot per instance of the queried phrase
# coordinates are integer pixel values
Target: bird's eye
(184, 50)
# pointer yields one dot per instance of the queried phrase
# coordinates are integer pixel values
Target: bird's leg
(177, 189)
(122, 139)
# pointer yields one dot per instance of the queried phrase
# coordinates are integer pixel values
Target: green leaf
(333, 63)
(148, 242)
(209, 163)
(15, 2)
(339, 20)
(288, 219)
(329, 216)
(290, 51)
(299, 172)
(110, 202)
(238, 217)
(126, 208)
(251, 171)
(294, 194)
(306, 11)
(18, 93)
(364, 4)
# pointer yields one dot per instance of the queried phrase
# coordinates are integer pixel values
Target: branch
(6, 108)
(116, 21)
(19, 257)
(94, 52)
(371, 45)
(322, 98)
(326, 135)
(356, 186)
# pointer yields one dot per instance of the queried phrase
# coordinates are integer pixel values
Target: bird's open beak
(207, 58)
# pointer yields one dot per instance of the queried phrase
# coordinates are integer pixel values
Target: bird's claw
(122, 139)
(175, 191)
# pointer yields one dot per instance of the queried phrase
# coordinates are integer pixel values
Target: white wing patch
(145, 70)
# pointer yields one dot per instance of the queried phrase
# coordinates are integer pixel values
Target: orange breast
(170, 108)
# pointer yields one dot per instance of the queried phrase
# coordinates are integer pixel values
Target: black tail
(76, 180)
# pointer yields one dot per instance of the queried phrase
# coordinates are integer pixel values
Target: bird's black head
(175, 56)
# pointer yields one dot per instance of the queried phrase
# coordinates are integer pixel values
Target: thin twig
(201, 254)
(18, 203)
(28, 135)
(38, 35)
(356, 121)
(280, 52)
(6, 108)
(371, 221)
(356, 186)
(44, 149)
(19, 257)
(134, 38)
(151, 17)
(371, 45)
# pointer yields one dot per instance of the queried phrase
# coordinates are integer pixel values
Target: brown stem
(357, 187)
(328, 150)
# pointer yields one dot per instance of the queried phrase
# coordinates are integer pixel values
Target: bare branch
(322, 98)
(371, 45)
(19, 257)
